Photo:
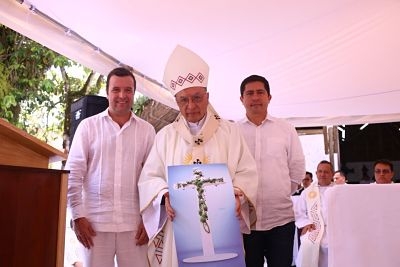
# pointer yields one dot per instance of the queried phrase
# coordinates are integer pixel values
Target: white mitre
(185, 69)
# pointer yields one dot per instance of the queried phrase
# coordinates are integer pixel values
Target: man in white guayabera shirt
(276, 147)
(105, 161)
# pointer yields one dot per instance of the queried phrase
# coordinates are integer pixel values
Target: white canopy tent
(328, 62)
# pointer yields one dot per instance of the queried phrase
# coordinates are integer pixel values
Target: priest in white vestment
(311, 217)
(197, 136)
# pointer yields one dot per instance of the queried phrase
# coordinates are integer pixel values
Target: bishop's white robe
(219, 141)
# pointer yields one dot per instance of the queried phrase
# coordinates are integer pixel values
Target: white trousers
(112, 247)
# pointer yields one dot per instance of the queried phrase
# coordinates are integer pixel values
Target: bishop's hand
(307, 228)
(238, 206)
(168, 208)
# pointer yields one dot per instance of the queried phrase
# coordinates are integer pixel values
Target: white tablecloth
(364, 225)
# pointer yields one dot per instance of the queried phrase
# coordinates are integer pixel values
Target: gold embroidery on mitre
(312, 194)
(188, 159)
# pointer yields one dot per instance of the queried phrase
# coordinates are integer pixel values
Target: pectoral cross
(199, 182)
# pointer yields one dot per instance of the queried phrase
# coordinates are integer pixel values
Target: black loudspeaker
(85, 107)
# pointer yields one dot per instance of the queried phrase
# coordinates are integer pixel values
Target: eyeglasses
(384, 171)
(184, 100)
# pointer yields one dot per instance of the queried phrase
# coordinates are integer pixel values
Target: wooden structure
(33, 201)
(18, 148)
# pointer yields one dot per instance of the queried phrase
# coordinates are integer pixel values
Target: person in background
(383, 171)
(197, 136)
(311, 218)
(276, 147)
(339, 177)
(300, 189)
(307, 180)
(105, 161)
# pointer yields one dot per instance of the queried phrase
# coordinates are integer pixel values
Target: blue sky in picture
(192, 242)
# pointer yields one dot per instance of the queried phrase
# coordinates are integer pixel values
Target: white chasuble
(218, 141)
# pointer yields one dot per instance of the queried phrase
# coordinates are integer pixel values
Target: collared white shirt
(105, 161)
(277, 150)
(195, 127)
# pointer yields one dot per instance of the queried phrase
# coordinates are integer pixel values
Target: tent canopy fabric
(328, 62)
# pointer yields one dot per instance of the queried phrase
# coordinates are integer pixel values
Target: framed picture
(206, 228)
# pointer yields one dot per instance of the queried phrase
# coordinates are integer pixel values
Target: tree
(24, 64)
(36, 80)
(37, 88)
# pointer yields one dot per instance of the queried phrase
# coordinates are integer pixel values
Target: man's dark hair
(254, 78)
(120, 72)
(326, 162)
(341, 173)
(384, 162)
(309, 173)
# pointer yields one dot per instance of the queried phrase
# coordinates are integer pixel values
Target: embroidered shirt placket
(119, 146)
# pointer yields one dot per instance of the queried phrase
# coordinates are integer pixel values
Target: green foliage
(24, 64)
(36, 88)
(6, 101)
(139, 104)
(4, 85)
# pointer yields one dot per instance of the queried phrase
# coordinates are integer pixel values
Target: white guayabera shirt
(105, 162)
